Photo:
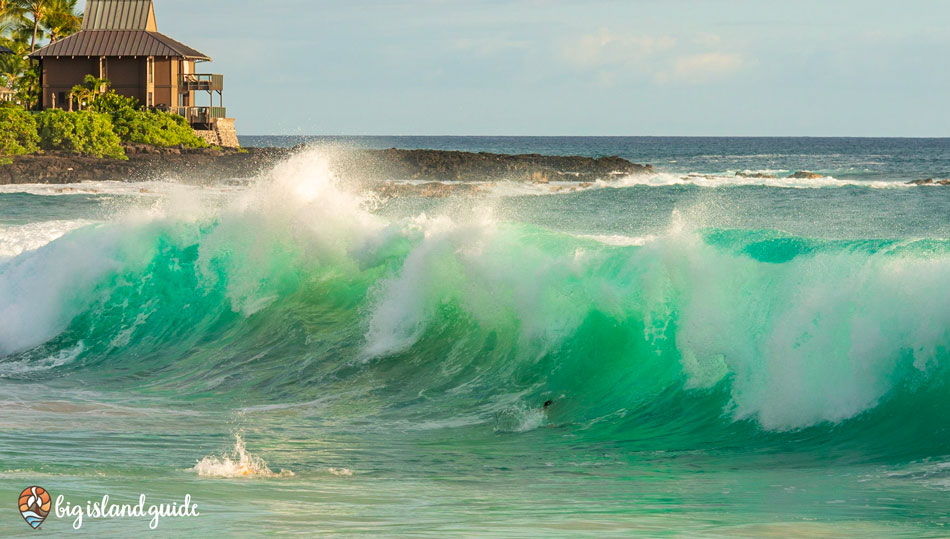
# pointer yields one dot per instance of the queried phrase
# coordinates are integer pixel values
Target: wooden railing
(202, 115)
(202, 82)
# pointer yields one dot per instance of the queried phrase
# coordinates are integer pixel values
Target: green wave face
(293, 293)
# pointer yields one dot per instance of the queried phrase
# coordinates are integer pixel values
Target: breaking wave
(293, 290)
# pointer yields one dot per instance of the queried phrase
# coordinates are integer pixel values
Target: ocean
(724, 354)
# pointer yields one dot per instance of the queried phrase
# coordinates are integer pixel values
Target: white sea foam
(236, 462)
(30, 365)
(619, 240)
(136, 189)
(15, 240)
(663, 179)
(42, 290)
(731, 180)
(519, 418)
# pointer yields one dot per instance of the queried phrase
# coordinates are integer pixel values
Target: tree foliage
(83, 132)
(134, 124)
(155, 128)
(24, 25)
(18, 134)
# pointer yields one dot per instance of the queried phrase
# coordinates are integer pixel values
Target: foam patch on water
(236, 463)
(15, 240)
(503, 189)
(619, 240)
(664, 179)
(30, 365)
(134, 189)
(519, 418)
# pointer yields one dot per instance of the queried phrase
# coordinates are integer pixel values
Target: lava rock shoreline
(209, 165)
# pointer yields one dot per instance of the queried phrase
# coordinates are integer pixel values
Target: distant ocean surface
(726, 355)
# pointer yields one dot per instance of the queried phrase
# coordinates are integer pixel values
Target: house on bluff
(119, 41)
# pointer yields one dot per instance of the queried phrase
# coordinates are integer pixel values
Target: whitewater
(725, 357)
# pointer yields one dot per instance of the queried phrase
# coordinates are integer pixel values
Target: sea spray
(293, 290)
(236, 462)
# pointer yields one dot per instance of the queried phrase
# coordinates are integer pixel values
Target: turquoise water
(300, 356)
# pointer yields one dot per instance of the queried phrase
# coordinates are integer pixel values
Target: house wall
(165, 85)
(60, 75)
(129, 77)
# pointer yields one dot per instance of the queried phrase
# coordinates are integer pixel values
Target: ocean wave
(293, 291)
(15, 240)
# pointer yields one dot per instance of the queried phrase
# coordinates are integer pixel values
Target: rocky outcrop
(449, 166)
(805, 175)
(144, 163)
(760, 175)
(211, 165)
(929, 181)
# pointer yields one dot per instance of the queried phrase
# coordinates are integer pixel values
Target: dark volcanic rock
(929, 181)
(145, 163)
(445, 166)
(209, 165)
(754, 175)
(805, 175)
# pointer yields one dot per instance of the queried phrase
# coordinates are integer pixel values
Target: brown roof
(119, 43)
(119, 15)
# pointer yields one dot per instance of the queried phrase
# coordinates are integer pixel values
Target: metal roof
(4, 50)
(119, 15)
(119, 43)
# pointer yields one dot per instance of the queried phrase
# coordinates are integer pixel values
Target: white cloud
(604, 49)
(700, 68)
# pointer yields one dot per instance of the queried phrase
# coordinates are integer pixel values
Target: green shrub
(155, 128)
(17, 131)
(112, 102)
(83, 132)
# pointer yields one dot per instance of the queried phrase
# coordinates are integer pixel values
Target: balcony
(201, 83)
(202, 115)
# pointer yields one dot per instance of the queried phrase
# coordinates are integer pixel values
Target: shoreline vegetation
(105, 120)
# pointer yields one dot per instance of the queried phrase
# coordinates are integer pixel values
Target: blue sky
(558, 67)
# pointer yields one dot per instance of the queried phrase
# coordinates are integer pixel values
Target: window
(151, 99)
(151, 70)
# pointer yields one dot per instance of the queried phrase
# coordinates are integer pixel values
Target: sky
(583, 68)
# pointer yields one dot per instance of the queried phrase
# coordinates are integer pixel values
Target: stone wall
(227, 135)
(222, 134)
(209, 136)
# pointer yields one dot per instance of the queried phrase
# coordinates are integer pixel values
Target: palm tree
(10, 14)
(36, 9)
(84, 93)
(12, 66)
(61, 19)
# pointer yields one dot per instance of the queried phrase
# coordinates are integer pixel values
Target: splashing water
(236, 463)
